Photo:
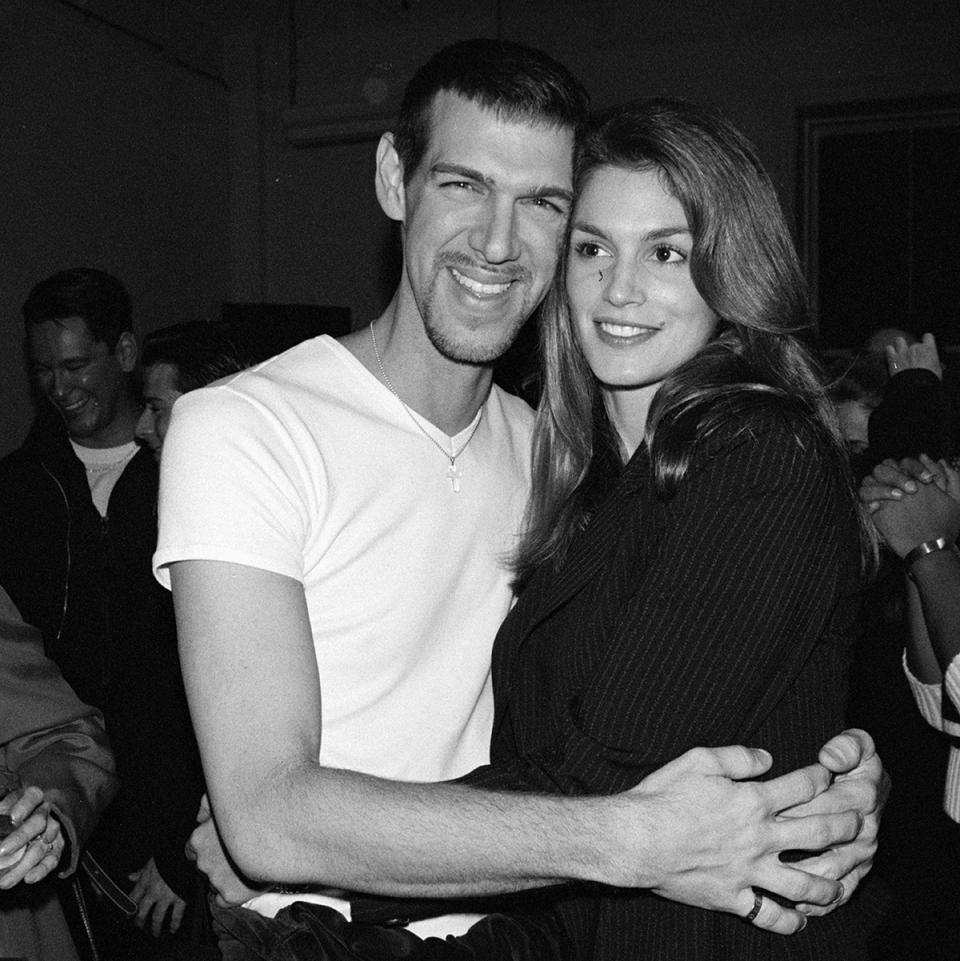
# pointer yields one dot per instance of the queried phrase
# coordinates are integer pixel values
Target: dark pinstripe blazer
(724, 615)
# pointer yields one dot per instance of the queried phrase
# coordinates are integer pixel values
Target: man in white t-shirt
(335, 525)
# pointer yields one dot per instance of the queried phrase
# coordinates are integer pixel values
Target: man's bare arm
(254, 693)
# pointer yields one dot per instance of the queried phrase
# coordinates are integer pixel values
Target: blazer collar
(616, 492)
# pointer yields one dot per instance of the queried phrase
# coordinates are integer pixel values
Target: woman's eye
(588, 249)
(668, 255)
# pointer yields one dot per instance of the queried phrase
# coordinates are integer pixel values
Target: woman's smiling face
(634, 306)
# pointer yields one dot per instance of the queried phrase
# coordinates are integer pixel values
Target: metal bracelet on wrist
(927, 547)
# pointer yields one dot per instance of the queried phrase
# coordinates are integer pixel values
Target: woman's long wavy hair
(744, 266)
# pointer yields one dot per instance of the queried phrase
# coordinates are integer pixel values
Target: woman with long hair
(694, 547)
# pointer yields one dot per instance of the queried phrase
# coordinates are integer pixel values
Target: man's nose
(145, 424)
(60, 384)
(495, 235)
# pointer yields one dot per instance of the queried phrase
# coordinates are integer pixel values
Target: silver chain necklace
(453, 471)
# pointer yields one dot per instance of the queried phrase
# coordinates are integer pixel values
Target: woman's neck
(627, 411)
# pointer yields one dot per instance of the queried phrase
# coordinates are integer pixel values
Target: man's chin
(480, 346)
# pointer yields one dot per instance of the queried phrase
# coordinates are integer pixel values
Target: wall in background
(136, 158)
(324, 237)
(113, 154)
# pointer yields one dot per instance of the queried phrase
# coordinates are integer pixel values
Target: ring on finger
(757, 904)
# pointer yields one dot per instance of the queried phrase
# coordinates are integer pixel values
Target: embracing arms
(252, 681)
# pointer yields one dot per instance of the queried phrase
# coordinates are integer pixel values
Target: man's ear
(127, 351)
(389, 179)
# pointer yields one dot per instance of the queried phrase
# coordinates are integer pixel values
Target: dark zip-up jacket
(85, 581)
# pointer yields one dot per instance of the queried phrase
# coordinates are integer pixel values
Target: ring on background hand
(757, 904)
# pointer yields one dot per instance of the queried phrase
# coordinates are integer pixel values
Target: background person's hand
(926, 513)
(156, 901)
(35, 847)
(921, 355)
(892, 480)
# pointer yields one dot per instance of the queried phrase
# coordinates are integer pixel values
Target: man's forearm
(339, 828)
(693, 831)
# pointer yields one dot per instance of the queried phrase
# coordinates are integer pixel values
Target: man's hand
(156, 902)
(720, 836)
(860, 784)
(922, 355)
(207, 850)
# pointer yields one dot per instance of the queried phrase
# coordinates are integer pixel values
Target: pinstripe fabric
(722, 616)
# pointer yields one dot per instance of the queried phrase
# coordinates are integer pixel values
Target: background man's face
(81, 377)
(484, 215)
(160, 390)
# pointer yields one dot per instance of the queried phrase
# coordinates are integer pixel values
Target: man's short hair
(518, 82)
(93, 295)
(201, 352)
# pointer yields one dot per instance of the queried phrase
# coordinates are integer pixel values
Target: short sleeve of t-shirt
(230, 486)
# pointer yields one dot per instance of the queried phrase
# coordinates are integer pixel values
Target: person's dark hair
(201, 352)
(860, 378)
(744, 266)
(93, 295)
(520, 83)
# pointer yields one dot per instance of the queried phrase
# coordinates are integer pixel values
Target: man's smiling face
(483, 220)
(83, 379)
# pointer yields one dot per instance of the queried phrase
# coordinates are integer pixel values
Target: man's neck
(401, 356)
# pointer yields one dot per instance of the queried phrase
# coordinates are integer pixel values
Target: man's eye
(542, 203)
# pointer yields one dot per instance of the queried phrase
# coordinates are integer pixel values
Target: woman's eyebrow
(658, 233)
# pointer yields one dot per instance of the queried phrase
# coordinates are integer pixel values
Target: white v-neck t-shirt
(309, 467)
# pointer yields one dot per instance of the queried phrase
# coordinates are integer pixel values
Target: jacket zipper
(66, 579)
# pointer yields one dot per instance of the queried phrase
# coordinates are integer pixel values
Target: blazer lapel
(590, 549)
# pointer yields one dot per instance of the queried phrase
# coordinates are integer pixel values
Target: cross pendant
(454, 472)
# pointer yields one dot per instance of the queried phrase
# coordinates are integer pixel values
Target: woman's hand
(206, 849)
(860, 784)
(35, 847)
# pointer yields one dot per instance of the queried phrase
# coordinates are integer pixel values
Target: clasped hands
(913, 500)
(35, 847)
(721, 836)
